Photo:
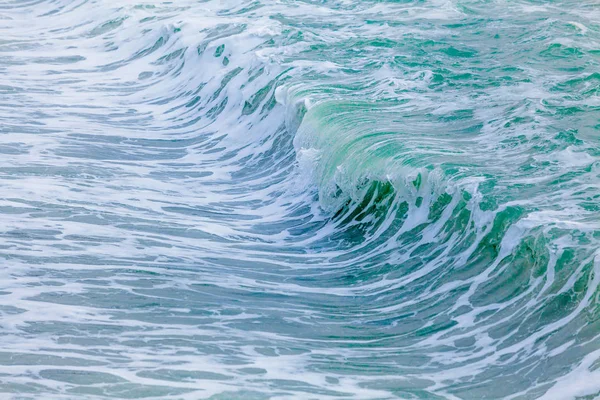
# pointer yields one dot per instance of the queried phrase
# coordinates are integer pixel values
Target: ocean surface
(300, 199)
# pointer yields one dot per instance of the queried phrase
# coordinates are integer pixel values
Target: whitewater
(300, 199)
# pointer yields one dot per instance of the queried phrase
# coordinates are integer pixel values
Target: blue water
(300, 199)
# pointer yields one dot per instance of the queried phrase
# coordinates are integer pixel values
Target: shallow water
(286, 199)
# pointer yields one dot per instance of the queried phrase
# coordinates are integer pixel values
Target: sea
(300, 199)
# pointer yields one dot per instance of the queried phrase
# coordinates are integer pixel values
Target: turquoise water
(287, 199)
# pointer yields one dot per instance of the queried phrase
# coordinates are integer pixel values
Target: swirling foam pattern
(300, 199)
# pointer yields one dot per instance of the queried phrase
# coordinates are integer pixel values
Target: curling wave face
(299, 199)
